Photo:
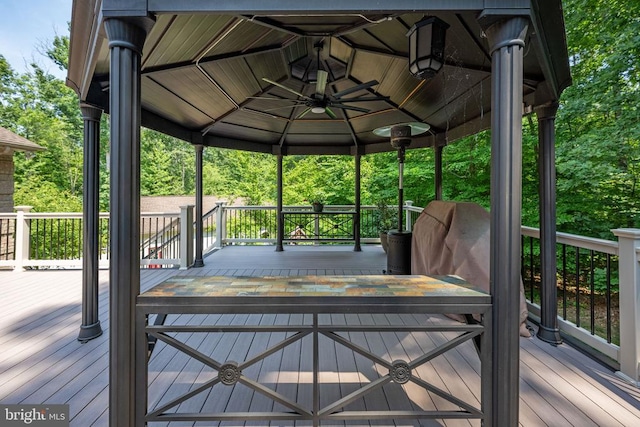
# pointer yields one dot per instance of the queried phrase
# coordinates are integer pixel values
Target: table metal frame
(399, 371)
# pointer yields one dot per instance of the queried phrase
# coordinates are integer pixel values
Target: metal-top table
(314, 296)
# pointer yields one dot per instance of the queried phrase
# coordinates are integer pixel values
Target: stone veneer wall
(7, 226)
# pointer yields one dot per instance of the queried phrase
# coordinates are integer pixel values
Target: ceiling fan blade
(321, 82)
(365, 99)
(283, 107)
(348, 107)
(266, 98)
(330, 113)
(304, 113)
(356, 88)
(284, 87)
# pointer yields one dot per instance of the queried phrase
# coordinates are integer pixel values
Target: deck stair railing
(598, 280)
(162, 236)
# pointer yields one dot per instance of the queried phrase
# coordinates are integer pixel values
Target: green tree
(328, 178)
(599, 120)
(39, 107)
(167, 165)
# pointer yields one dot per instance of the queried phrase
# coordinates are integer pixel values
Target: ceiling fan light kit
(321, 103)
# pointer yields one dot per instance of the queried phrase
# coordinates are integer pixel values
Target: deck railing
(598, 280)
(259, 224)
(588, 287)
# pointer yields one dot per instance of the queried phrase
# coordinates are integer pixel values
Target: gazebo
(298, 77)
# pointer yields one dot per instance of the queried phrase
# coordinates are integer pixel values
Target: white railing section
(54, 240)
(583, 242)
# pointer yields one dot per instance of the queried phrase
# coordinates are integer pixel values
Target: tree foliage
(41, 108)
(597, 143)
(598, 123)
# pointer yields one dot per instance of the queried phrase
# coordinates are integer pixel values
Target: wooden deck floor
(42, 362)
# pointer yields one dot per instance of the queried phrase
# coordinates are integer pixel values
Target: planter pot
(317, 207)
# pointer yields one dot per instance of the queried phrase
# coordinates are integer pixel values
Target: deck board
(41, 360)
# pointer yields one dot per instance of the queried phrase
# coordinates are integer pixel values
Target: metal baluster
(532, 270)
(68, 242)
(108, 236)
(51, 238)
(68, 245)
(564, 281)
(577, 287)
(143, 221)
(68, 228)
(56, 250)
(608, 298)
(78, 247)
(593, 291)
(34, 249)
(2, 240)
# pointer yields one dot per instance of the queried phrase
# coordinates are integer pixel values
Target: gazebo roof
(16, 142)
(204, 65)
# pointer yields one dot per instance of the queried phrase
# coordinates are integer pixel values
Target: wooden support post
(126, 39)
(506, 37)
(548, 330)
(279, 206)
(199, 262)
(356, 218)
(220, 224)
(629, 267)
(90, 327)
(23, 232)
(186, 237)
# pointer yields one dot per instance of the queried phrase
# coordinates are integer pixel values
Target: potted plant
(383, 221)
(316, 199)
(317, 205)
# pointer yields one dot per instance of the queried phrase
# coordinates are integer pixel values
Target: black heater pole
(401, 151)
(400, 139)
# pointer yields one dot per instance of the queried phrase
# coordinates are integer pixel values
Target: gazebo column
(126, 39)
(198, 262)
(280, 218)
(356, 222)
(506, 38)
(90, 327)
(438, 171)
(548, 330)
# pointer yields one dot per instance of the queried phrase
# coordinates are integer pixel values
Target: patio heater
(426, 59)
(399, 241)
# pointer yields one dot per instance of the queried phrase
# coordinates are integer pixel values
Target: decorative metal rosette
(400, 372)
(229, 373)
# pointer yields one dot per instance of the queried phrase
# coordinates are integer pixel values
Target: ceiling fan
(319, 102)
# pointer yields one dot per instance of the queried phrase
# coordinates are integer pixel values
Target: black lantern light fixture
(426, 47)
